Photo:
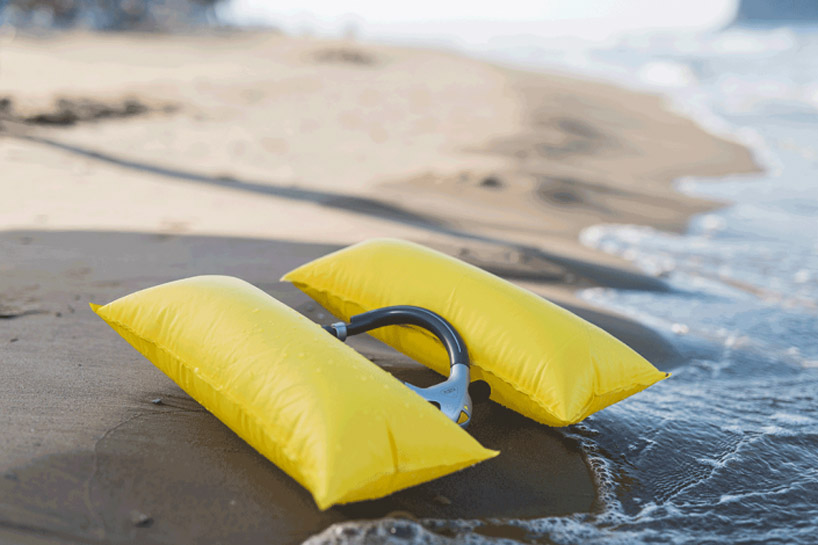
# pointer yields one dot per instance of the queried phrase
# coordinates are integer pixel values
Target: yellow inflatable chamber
(539, 359)
(338, 424)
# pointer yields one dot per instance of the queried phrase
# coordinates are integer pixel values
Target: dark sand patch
(69, 111)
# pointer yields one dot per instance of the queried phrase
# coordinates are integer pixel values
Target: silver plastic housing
(451, 395)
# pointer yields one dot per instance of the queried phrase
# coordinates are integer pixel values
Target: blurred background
(441, 22)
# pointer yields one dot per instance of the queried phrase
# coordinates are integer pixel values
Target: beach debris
(140, 519)
(70, 111)
(491, 182)
(67, 111)
(7, 313)
(344, 55)
(157, 401)
(560, 190)
(14, 339)
(442, 500)
(10, 313)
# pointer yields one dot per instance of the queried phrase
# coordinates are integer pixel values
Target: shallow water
(725, 451)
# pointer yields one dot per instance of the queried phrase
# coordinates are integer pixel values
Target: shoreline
(269, 153)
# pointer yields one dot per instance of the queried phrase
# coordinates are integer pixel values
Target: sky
(472, 22)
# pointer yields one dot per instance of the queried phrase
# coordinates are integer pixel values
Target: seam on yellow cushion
(466, 463)
(635, 387)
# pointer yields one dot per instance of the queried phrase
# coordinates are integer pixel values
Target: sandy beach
(129, 160)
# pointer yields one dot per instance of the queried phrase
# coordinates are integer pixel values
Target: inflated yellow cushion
(338, 424)
(539, 359)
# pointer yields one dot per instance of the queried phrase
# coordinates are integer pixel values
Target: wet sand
(249, 155)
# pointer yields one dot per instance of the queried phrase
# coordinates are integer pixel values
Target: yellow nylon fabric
(539, 359)
(338, 424)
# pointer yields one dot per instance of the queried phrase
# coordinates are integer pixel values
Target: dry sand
(129, 160)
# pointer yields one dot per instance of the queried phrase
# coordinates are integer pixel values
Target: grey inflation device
(452, 395)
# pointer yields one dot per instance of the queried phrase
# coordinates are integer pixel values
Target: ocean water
(726, 451)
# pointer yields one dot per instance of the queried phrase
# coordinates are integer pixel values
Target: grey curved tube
(451, 395)
(407, 314)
